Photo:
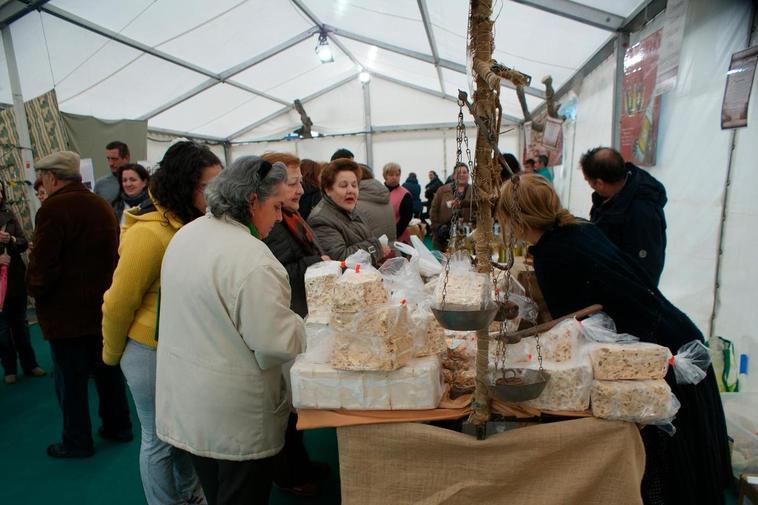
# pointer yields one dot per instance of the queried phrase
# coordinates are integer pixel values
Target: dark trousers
(75, 359)
(292, 465)
(234, 482)
(14, 338)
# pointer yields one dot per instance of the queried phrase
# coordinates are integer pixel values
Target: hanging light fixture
(323, 50)
(364, 77)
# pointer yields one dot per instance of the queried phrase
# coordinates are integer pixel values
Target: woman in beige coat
(225, 329)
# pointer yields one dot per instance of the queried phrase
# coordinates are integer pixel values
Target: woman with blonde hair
(577, 266)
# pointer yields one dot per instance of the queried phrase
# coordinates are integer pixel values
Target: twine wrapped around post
(481, 44)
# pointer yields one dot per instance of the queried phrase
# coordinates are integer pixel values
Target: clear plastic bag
(568, 388)
(429, 265)
(428, 336)
(320, 279)
(638, 401)
(319, 343)
(402, 276)
(359, 257)
(461, 287)
(377, 338)
(601, 328)
(691, 362)
(359, 287)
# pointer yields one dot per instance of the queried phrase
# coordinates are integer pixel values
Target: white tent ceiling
(215, 69)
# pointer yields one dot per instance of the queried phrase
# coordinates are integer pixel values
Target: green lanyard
(253, 231)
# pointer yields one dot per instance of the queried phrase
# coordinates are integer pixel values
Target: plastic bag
(461, 287)
(691, 362)
(402, 276)
(428, 336)
(320, 279)
(319, 343)
(638, 401)
(601, 328)
(429, 265)
(568, 388)
(377, 338)
(642, 360)
(359, 257)
(359, 287)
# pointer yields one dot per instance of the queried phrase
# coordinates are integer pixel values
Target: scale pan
(525, 384)
(465, 320)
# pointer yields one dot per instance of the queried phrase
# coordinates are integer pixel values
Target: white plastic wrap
(377, 338)
(691, 362)
(320, 279)
(416, 386)
(639, 401)
(319, 343)
(463, 288)
(568, 388)
(402, 279)
(359, 287)
(428, 335)
(601, 328)
(639, 360)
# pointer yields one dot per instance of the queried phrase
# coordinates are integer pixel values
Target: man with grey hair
(220, 393)
(70, 268)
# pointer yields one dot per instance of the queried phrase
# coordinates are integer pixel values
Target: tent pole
(367, 125)
(725, 202)
(19, 113)
(227, 153)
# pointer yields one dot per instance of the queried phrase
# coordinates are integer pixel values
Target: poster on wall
(640, 109)
(739, 82)
(671, 46)
(548, 142)
(88, 173)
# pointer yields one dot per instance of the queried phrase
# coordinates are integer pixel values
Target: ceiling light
(323, 50)
(364, 77)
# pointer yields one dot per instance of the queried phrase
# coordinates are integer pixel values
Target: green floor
(30, 420)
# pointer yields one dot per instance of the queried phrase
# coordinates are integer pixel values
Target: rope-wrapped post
(481, 43)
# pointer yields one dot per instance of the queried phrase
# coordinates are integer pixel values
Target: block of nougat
(640, 401)
(320, 279)
(568, 387)
(429, 335)
(629, 361)
(561, 343)
(414, 387)
(355, 291)
(462, 291)
(379, 338)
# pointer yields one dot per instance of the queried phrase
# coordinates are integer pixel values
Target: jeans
(14, 338)
(75, 359)
(168, 476)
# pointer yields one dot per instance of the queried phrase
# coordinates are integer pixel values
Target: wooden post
(481, 43)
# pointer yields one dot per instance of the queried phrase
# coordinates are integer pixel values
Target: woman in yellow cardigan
(130, 306)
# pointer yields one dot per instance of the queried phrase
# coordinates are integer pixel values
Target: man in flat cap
(70, 268)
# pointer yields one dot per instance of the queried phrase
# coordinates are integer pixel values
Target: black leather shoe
(122, 436)
(60, 451)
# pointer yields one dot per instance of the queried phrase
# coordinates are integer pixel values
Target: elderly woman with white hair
(225, 329)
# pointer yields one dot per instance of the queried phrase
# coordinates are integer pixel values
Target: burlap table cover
(583, 461)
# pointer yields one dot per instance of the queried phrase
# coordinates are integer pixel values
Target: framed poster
(739, 82)
(552, 133)
(88, 173)
(640, 109)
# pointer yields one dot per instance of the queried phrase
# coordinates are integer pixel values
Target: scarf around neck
(298, 227)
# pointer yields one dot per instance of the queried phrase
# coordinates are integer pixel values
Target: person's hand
(5, 259)
(386, 250)
(325, 258)
(5, 237)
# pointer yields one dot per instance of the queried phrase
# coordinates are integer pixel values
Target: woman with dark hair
(338, 228)
(431, 189)
(452, 196)
(311, 171)
(39, 190)
(130, 306)
(577, 266)
(15, 343)
(221, 395)
(133, 180)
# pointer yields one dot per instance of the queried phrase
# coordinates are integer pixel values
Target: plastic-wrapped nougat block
(567, 389)
(378, 338)
(629, 361)
(320, 279)
(639, 401)
(416, 386)
(357, 290)
(429, 335)
(462, 291)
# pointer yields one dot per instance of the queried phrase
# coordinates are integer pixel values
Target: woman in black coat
(14, 329)
(577, 266)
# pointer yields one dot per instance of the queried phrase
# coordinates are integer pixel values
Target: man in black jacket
(627, 205)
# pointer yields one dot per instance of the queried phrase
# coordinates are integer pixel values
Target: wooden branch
(542, 328)
(305, 130)
(489, 135)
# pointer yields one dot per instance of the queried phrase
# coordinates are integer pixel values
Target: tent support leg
(367, 123)
(622, 42)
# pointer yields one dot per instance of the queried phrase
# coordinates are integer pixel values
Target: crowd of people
(186, 287)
